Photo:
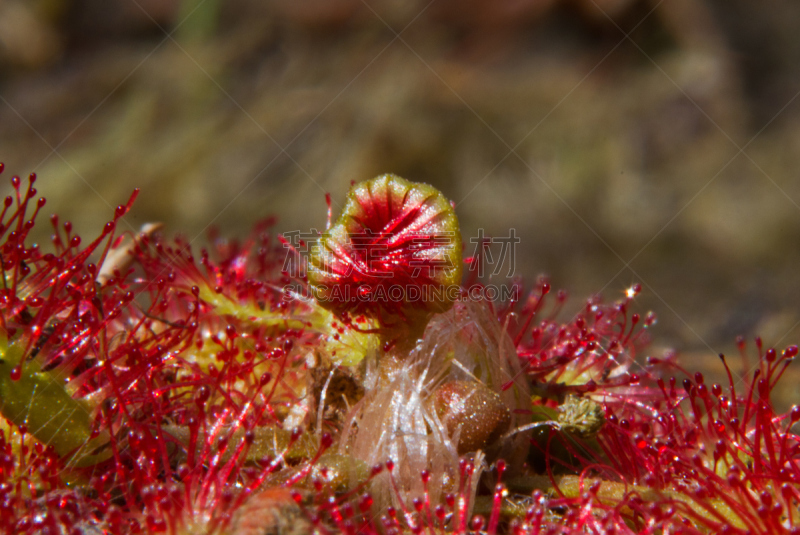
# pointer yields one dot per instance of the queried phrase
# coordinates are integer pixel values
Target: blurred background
(624, 141)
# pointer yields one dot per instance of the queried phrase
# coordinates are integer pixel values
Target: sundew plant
(363, 383)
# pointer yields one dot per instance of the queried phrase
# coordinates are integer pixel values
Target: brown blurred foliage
(624, 140)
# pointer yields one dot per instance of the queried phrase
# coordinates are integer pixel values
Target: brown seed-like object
(474, 410)
(271, 511)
